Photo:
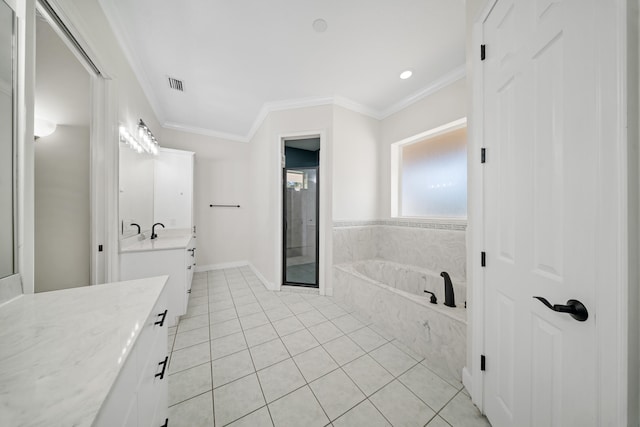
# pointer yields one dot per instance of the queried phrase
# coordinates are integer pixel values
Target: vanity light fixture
(43, 127)
(148, 141)
(145, 141)
(128, 139)
(406, 74)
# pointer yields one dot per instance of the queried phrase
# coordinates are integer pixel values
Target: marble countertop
(162, 243)
(61, 351)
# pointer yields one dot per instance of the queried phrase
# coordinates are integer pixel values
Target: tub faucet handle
(433, 299)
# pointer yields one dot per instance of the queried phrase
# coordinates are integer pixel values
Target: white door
(544, 211)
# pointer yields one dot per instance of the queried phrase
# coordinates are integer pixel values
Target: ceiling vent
(176, 84)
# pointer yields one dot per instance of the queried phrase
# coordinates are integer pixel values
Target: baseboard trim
(221, 266)
(265, 282)
(467, 380)
(235, 264)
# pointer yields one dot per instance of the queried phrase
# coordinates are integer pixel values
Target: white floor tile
(400, 406)
(288, 326)
(314, 363)
(393, 359)
(299, 342)
(363, 415)
(245, 310)
(192, 337)
(298, 409)
(367, 338)
(195, 412)
(194, 322)
(368, 374)
(280, 379)
(343, 350)
(218, 316)
(279, 313)
(429, 387)
(231, 367)
(260, 334)
(311, 318)
(253, 320)
(325, 332)
(437, 421)
(234, 400)
(223, 329)
(461, 412)
(336, 393)
(189, 383)
(189, 357)
(347, 323)
(259, 418)
(269, 353)
(227, 345)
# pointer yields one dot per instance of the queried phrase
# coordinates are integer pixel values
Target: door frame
(324, 221)
(103, 151)
(613, 326)
(284, 229)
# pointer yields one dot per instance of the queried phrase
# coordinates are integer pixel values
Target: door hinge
(483, 155)
(99, 248)
(483, 362)
(483, 52)
(483, 259)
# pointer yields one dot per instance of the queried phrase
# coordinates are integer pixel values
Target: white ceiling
(238, 57)
(62, 83)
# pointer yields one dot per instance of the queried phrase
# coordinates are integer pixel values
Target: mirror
(7, 132)
(136, 190)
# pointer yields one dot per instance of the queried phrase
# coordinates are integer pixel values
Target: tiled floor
(245, 356)
(302, 273)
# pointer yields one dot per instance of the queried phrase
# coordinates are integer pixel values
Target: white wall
(62, 209)
(222, 176)
(444, 106)
(355, 165)
(266, 205)
(89, 19)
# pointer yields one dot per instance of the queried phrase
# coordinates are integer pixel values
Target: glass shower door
(300, 200)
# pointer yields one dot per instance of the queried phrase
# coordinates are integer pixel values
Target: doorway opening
(300, 212)
(65, 167)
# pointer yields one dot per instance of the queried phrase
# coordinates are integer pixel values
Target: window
(432, 174)
(297, 180)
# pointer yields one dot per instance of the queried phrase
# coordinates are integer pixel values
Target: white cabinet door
(173, 189)
(550, 178)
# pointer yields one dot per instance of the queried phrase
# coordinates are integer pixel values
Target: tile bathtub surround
(428, 331)
(435, 249)
(312, 362)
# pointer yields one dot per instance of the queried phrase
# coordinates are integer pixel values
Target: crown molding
(357, 107)
(447, 79)
(115, 21)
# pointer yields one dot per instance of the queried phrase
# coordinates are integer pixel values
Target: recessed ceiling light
(320, 25)
(406, 74)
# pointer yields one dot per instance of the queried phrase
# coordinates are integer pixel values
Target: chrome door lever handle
(575, 308)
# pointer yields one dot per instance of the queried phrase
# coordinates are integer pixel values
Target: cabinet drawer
(153, 365)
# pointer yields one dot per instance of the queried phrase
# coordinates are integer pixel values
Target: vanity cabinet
(139, 397)
(167, 255)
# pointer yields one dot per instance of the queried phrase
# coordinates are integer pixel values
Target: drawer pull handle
(166, 423)
(189, 268)
(161, 321)
(189, 291)
(164, 367)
